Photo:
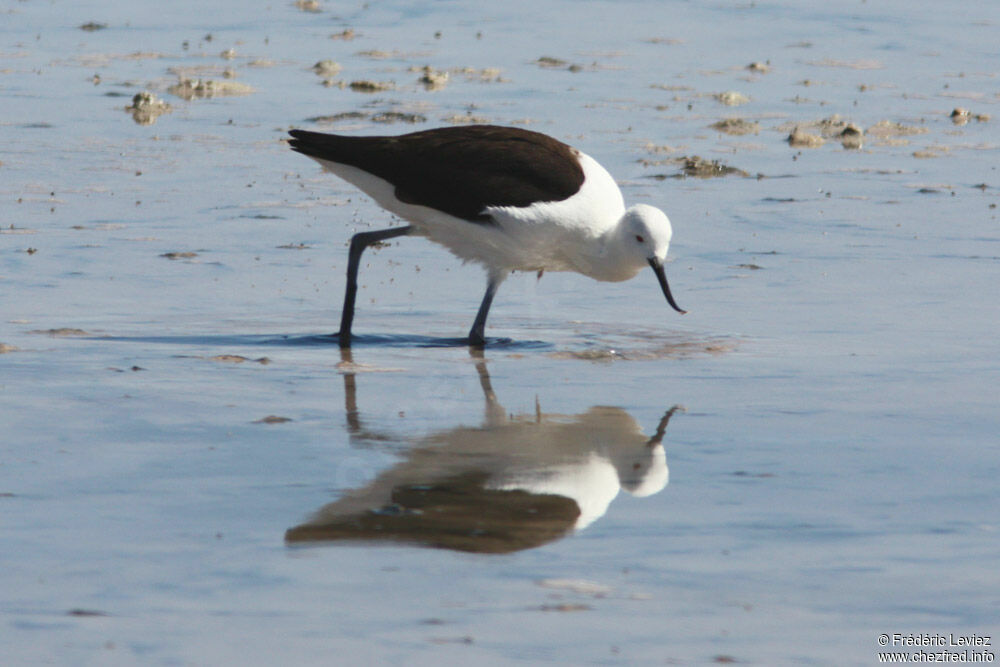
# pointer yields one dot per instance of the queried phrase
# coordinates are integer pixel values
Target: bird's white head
(647, 232)
(644, 237)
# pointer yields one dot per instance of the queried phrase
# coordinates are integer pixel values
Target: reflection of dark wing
(458, 170)
(455, 513)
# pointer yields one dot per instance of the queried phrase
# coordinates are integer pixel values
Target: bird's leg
(359, 242)
(350, 392)
(495, 415)
(477, 335)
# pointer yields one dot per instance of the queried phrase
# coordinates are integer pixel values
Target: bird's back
(457, 170)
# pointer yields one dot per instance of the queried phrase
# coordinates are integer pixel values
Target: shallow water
(168, 417)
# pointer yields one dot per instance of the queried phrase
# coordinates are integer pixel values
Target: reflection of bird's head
(641, 462)
(644, 472)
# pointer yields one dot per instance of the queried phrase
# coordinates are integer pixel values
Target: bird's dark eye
(638, 237)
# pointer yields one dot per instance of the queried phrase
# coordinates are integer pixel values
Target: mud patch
(851, 136)
(326, 68)
(467, 119)
(339, 117)
(698, 167)
(565, 607)
(389, 117)
(578, 586)
(891, 133)
(549, 62)
(961, 116)
(367, 86)
(731, 98)
(272, 419)
(86, 612)
(482, 75)
(345, 35)
(651, 347)
(432, 79)
(657, 150)
(147, 107)
(813, 134)
(848, 64)
(60, 332)
(382, 117)
(736, 126)
(311, 6)
(239, 359)
(12, 229)
(194, 89)
(887, 129)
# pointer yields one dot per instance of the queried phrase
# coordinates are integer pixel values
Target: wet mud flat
(193, 471)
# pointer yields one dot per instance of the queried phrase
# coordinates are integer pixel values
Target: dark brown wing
(458, 170)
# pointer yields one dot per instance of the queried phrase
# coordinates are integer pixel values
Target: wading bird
(506, 198)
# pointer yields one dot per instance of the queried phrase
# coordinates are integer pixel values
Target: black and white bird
(506, 198)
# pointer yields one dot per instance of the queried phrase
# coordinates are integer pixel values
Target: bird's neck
(606, 258)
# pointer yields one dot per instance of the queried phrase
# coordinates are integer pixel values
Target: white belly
(551, 236)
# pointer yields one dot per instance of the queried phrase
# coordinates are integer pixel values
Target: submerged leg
(477, 335)
(359, 242)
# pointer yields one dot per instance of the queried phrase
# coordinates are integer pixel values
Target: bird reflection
(517, 482)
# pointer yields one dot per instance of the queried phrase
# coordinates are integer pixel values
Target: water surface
(173, 408)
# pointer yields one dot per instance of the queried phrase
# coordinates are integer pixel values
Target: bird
(506, 198)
